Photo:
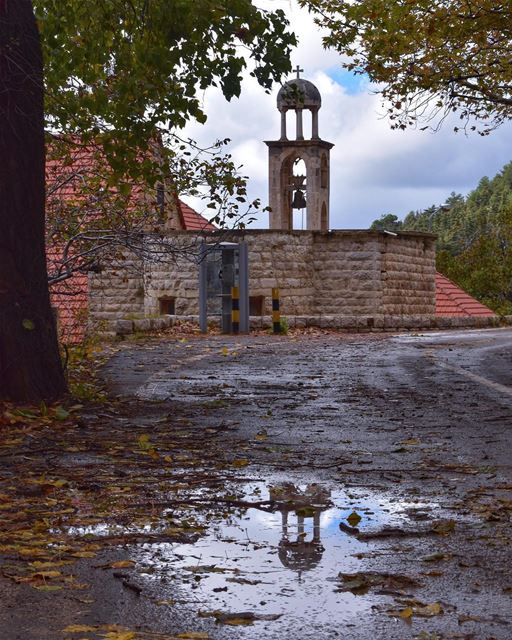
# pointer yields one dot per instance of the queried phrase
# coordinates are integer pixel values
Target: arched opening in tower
(299, 187)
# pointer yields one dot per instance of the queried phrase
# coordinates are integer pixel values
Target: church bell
(299, 201)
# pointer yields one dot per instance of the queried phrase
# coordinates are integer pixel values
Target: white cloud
(374, 169)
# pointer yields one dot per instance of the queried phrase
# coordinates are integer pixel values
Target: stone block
(142, 324)
(162, 322)
(255, 322)
(123, 327)
(327, 322)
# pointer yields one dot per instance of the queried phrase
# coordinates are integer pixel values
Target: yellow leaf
(120, 635)
(54, 483)
(235, 622)
(225, 351)
(193, 635)
(38, 565)
(122, 564)
(144, 443)
(406, 613)
(46, 587)
(46, 574)
(429, 610)
(84, 554)
(241, 462)
(79, 628)
(354, 519)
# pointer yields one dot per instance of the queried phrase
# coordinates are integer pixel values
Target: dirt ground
(317, 484)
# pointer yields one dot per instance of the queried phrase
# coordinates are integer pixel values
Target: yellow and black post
(276, 314)
(235, 309)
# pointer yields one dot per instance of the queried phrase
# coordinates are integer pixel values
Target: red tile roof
(451, 300)
(71, 302)
(193, 221)
(70, 299)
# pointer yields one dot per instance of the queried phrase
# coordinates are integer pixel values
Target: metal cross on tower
(299, 71)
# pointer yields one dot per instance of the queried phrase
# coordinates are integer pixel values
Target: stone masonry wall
(407, 275)
(178, 279)
(116, 293)
(342, 273)
(347, 273)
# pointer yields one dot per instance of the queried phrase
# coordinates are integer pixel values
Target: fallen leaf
(144, 442)
(121, 564)
(443, 527)
(406, 613)
(237, 619)
(46, 574)
(61, 413)
(120, 635)
(464, 618)
(429, 610)
(437, 557)
(84, 554)
(354, 519)
(241, 462)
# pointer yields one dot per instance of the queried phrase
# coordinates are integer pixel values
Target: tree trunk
(30, 366)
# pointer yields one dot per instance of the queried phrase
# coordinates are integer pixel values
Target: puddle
(280, 558)
(282, 562)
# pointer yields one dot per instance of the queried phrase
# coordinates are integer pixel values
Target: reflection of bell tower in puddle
(300, 554)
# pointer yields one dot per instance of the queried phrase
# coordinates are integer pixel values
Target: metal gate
(223, 266)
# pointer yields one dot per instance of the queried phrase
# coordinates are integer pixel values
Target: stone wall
(347, 273)
(407, 274)
(352, 274)
(116, 293)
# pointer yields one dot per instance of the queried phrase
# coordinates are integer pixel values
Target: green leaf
(61, 413)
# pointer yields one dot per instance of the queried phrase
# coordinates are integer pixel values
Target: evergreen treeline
(474, 238)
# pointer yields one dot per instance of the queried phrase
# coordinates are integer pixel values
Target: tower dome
(298, 94)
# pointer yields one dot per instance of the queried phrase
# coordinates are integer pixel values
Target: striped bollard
(235, 309)
(276, 314)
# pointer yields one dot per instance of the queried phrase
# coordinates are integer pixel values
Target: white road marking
(496, 386)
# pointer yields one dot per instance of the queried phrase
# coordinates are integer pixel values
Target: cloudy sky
(374, 170)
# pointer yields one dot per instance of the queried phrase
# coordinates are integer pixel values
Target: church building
(346, 279)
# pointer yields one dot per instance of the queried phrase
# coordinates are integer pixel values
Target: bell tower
(288, 189)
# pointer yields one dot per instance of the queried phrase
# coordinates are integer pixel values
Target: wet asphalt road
(414, 425)
(337, 403)
(422, 417)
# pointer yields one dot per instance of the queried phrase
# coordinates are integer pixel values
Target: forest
(474, 246)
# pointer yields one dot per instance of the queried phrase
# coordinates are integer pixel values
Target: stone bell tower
(287, 190)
